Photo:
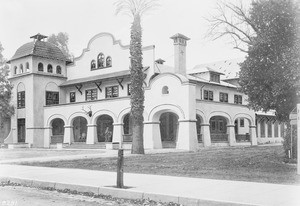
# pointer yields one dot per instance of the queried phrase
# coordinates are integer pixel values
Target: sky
(83, 19)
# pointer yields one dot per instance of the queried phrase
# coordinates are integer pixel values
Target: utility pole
(120, 168)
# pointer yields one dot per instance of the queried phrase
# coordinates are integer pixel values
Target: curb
(119, 193)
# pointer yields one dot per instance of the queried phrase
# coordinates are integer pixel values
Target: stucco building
(88, 100)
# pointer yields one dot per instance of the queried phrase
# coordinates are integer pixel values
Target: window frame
(21, 100)
(49, 68)
(238, 99)
(71, 98)
(112, 95)
(40, 66)
(52, 100)
(208, 95)
(58, 69)
(242, 122)
(223, 97)
(108, 61)
(92, 96)
(129, 89)
(100, 59)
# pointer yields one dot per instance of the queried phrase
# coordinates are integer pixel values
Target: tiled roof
(96, 78)
(230, 68)
(39, 49)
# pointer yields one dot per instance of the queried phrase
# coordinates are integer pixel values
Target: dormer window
(214, 77)
(100, 60)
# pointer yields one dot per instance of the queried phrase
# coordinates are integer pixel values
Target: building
(88, 100)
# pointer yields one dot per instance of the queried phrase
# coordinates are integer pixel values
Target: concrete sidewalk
(187, 191)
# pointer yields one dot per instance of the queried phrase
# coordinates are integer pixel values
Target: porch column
(68, 134)
(253, 135)
(117, 133)
(47, 137)
(231, 135)
(152, 138)
(205, 131)
(258, 130)
(91, 137)
(187, 135)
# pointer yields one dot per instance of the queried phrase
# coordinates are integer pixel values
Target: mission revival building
(87, 100)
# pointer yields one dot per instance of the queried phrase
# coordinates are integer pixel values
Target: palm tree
(136, 9)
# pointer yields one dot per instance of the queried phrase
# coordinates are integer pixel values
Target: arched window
(27, 66)
(108, 62)
(165, 90)
(21, 68)
(58, 69)
(93, 64)
(15, 69)
(49, 68)
(40, 67)
(100, 60)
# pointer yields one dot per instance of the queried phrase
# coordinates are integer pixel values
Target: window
(21, 68)
(21, 100)
(40, 67)
(213, 125)
(282, 129)
(269, 129)
(90, 94)
(100, 60)
(208, 95)
(93, 64)
(15, 69)
(111, 92)
(58, 69)
(52, 98)
(72, 97)
(27, 67)
(238, 99)
(242, 122)
(262, 129)
(129, 89)
(223, 97)
(49, 68)
(276, 129)
(108, 62)
(165, 90)
(214, 77)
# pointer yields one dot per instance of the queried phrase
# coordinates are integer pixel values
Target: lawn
(255, 164)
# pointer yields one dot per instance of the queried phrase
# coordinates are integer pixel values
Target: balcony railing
(219, 137)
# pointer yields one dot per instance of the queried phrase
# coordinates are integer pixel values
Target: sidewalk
(187, 191)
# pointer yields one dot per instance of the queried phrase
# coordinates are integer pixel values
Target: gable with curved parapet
(104, 55)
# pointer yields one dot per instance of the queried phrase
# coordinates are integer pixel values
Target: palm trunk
(137, 91)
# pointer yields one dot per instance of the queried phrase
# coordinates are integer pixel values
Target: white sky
(82, 19)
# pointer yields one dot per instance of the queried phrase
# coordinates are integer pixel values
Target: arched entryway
(242, 129)
(218, 129)
(168, 129)
(80, 129)
(127, 128)
(105, 128)
(198, 127)
(57, 131)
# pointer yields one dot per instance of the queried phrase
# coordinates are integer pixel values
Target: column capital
(151, 122)
(91, 125)
(252, 126)
(187, 120)
(230, 125)
(118, 124)
(205, 124)
(68, 126)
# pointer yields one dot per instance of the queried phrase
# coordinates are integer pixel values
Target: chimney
(180, 53)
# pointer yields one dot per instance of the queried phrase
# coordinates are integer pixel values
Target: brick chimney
(180, 53)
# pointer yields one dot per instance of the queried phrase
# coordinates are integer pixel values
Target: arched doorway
(242, 129)
(79, 129)
(57, 131)
(168, 127)
(218, 129)
(127, 128)
(105, 128)
(198, 127)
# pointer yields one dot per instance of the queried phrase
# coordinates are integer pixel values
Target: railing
(219, 137)
(242, 137)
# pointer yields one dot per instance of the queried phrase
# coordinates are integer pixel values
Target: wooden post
(298, 139)
(120, 170)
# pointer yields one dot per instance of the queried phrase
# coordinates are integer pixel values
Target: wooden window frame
(112, 93)
(92, 96)
(21, 100)
(50, 98)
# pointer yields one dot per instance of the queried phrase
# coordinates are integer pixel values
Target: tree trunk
(137, 91)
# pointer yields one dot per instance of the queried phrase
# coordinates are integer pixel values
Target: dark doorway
(105, 128)
(168, 127)
(21, 130)
(80, 129)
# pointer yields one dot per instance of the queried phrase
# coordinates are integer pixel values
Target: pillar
(187, 135)
(205, 131)
(117, 133)
(253, 135)
(91, 136)
(68, 134)
(152, 138)
(231, 135)
(298, 139)
(258, 130)
(47, 136)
